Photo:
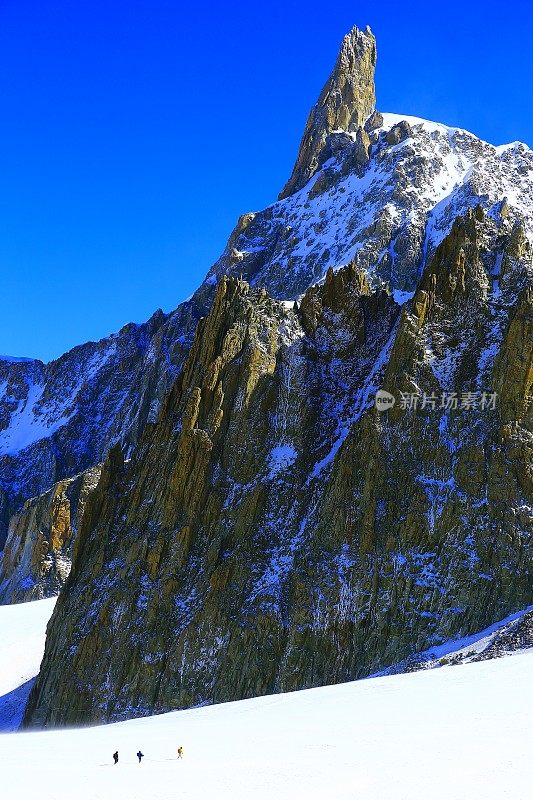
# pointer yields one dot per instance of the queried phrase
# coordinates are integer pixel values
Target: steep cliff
(274, 530)
(345, 103)
(261, 524)
(378, 190)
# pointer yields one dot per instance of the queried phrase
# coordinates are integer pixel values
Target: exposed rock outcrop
(38, 551)
(399, 133)
(383, 207)
(273, 530)
(345, 102)
(374, 121)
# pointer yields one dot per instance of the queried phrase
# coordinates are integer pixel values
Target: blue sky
(134, 133)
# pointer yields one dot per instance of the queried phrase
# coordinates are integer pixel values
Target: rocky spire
(345, 102)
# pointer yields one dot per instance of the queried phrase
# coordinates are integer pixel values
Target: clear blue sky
(134, 132)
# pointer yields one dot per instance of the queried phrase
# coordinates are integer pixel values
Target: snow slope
(455, 733)
(389, 216)
(509, 636)
(22, 636)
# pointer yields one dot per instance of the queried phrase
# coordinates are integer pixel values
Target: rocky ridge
(378, 190)
(256, 543)
(510, 637)
(260, 525)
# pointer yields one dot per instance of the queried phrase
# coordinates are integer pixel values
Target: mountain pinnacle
(345, 102)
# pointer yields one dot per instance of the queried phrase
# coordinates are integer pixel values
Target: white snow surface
(22, 638)
(446, 734)
(22, 632)
(41, 411)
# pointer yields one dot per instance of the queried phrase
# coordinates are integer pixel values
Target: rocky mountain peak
(346, 101)
(261, 523)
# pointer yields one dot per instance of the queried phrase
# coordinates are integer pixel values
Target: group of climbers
(140, 755)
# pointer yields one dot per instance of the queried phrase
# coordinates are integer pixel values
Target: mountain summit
(260, 522)
(346, 101)
(382, 196)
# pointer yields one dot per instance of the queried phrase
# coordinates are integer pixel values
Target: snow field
(457, 733)
(22, 637)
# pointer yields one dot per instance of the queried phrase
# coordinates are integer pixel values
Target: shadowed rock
(37, 555)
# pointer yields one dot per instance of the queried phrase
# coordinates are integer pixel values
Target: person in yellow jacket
(180, 752)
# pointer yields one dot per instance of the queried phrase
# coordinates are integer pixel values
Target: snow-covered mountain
(382, 197)
(59, 419)
(386, 211)
(273, 529)
(454, 732)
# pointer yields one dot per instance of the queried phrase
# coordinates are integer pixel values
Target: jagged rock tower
(345, 103)
(272, 529)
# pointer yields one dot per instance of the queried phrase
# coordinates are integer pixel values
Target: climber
(180, 752)
(115, 757)
(140, 756)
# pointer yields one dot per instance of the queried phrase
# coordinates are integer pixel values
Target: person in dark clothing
(115, 757)
(140, 755)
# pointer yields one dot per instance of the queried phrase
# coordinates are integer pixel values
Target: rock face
(38, 550)
(345, 102)
(259, 525)
(383, 207)
(61, 418)
(274, 531)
